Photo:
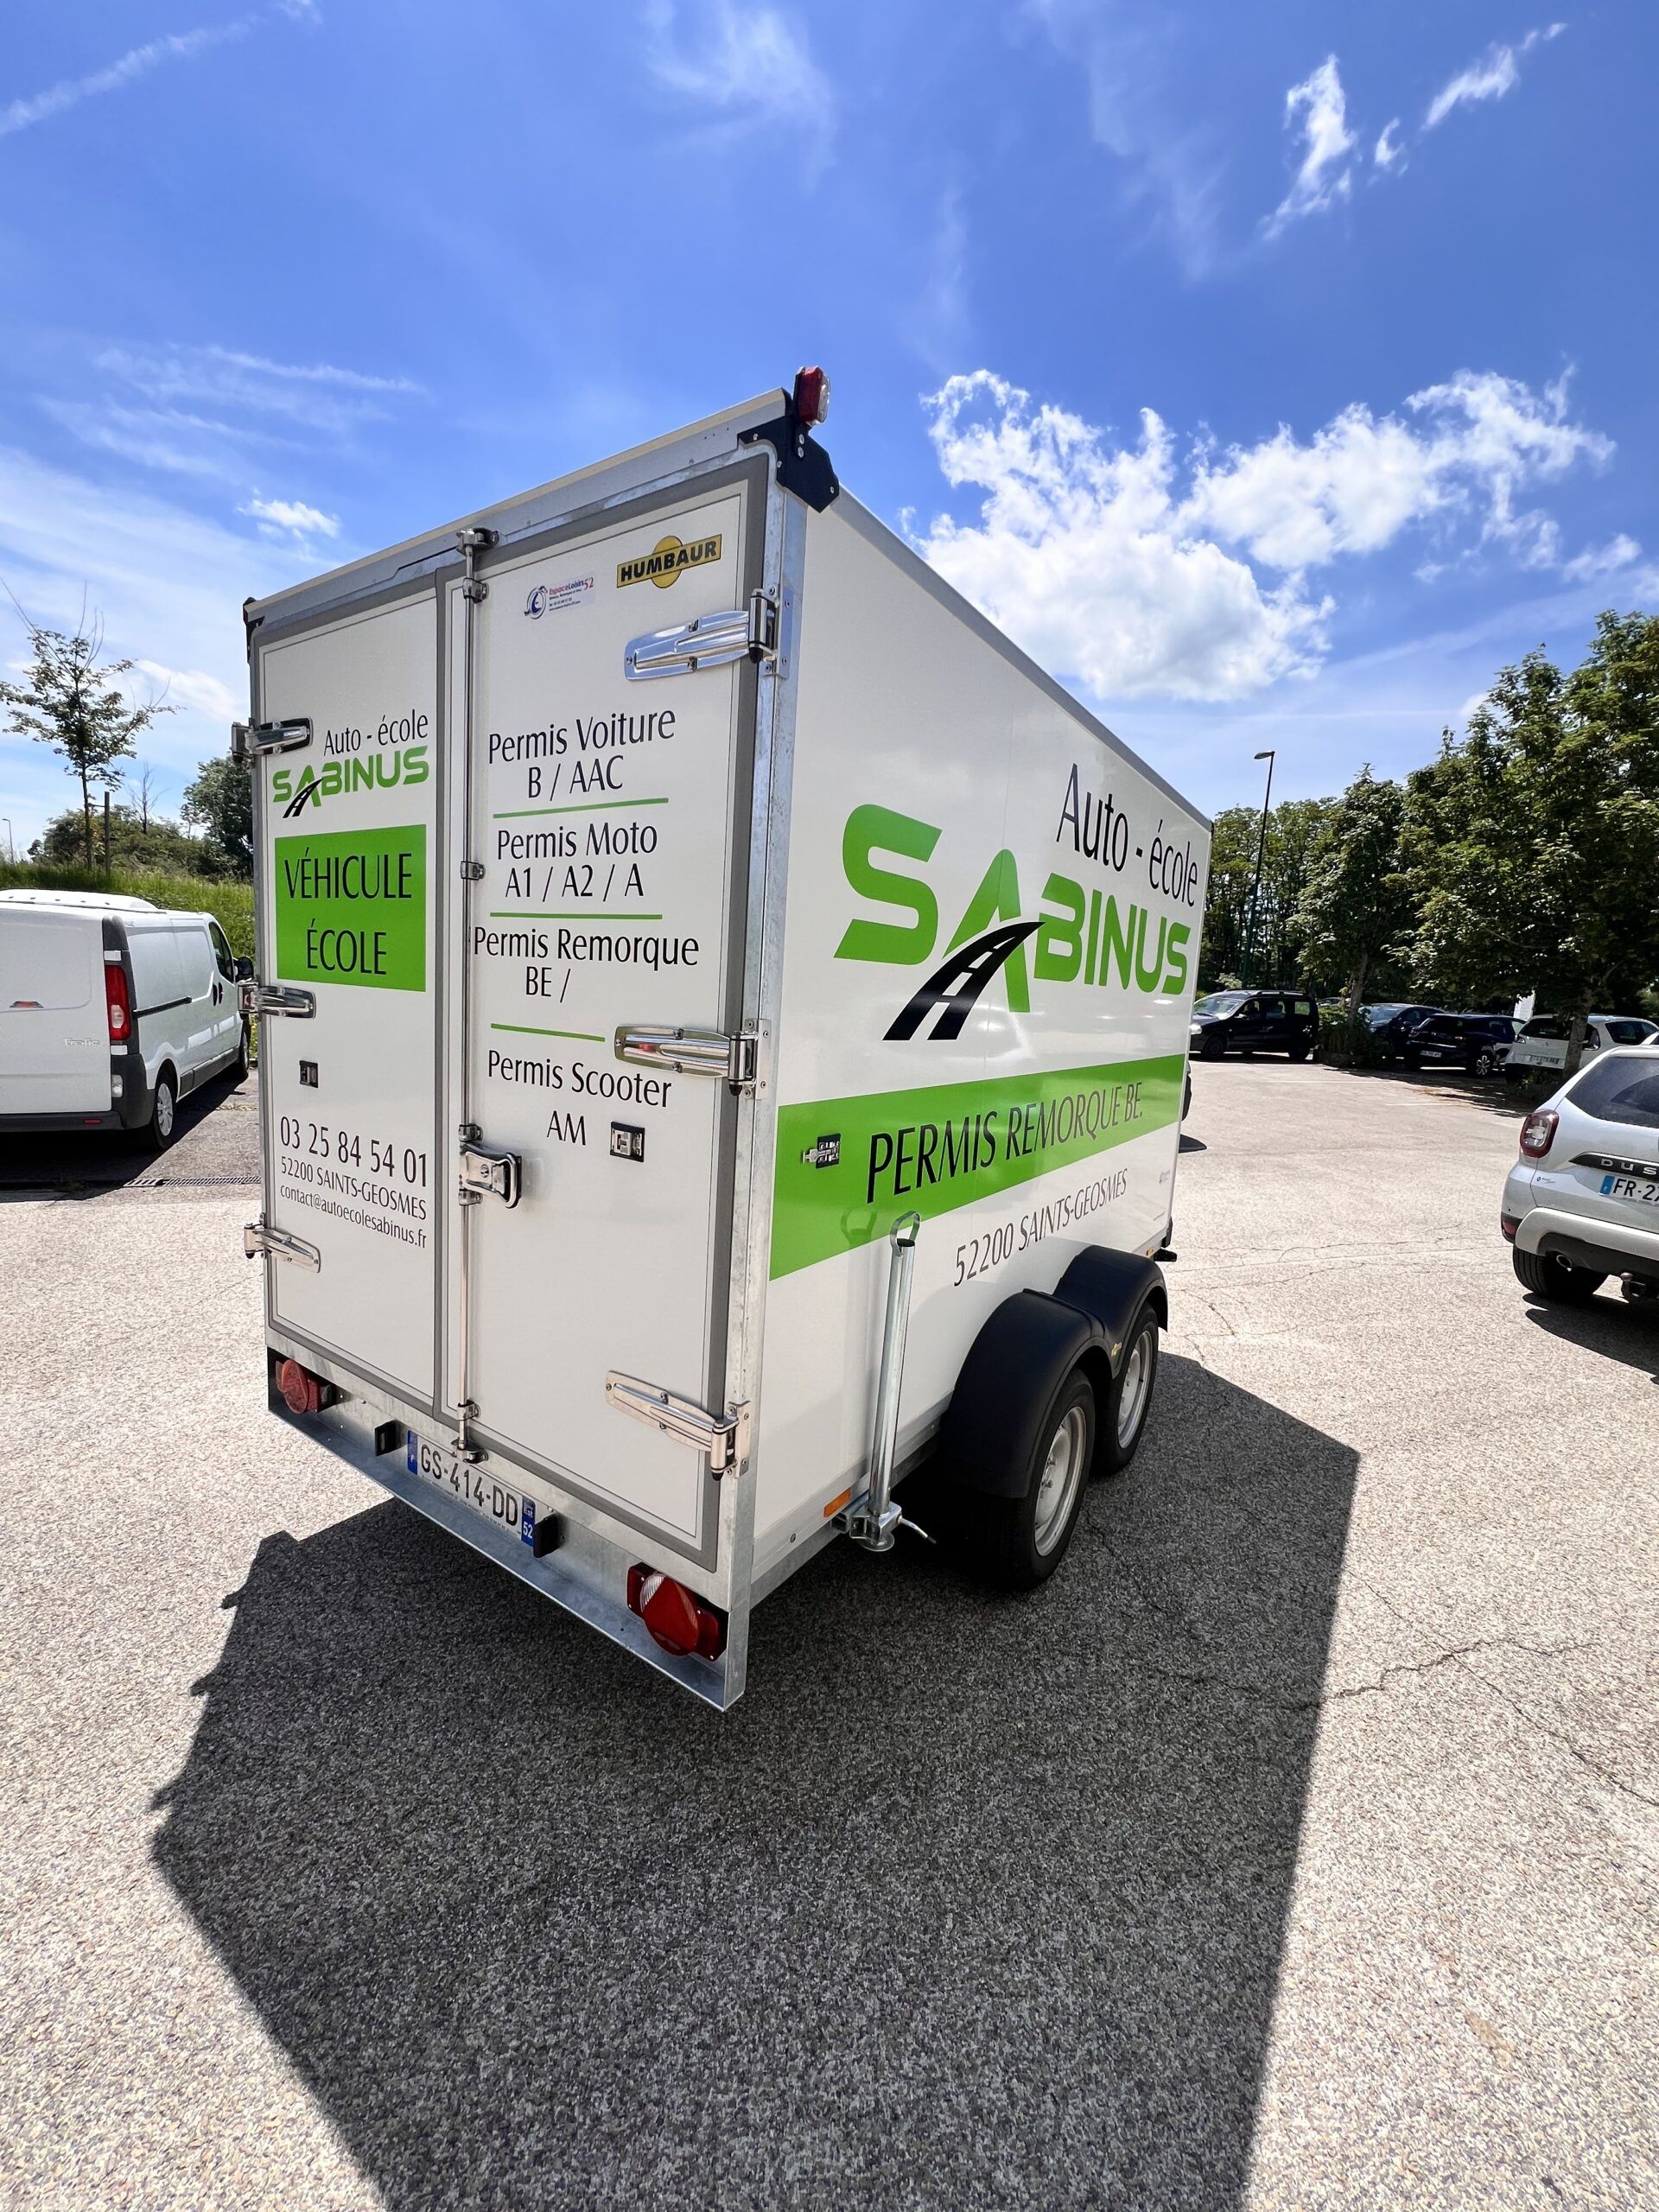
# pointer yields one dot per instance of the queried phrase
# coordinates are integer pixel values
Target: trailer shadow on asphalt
(969, 1901)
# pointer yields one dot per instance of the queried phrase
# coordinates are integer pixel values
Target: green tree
(220, 803)
(70, 700)
(1356, 903)
(1533, 842)
(134, 843)
(1294, 829)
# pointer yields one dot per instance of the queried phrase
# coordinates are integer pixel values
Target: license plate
(475, 1487)
(1629, 1186)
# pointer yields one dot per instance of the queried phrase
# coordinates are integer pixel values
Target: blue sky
(1273, 375)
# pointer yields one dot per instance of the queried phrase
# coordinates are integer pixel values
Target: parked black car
(1391, 1025)
(1477, 1042)
(1255, 1021)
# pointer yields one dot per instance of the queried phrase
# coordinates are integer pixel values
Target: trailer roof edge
(374, 571)
(887, 540)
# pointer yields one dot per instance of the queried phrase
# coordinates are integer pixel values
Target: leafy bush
(1349, 1045)
(230, 903)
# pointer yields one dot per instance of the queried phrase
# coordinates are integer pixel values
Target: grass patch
(229, 903)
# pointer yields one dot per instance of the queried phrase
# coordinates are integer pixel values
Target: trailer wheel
(1022, 1540)
(1130, 1396)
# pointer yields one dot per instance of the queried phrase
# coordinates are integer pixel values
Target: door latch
(259, 1238)
(276, 998)
(249, 740)
(707, 641)
(733, 1060)
(724, 1437)
(486, 1174)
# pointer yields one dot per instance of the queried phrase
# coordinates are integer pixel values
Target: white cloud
(1141, 570)
(1139, 111)
(1489, 79)
(291, 517)
(137, 62)
(316, 396)
(749, 65)
(196, 689)
(169, 587)
(1325, 175)
(1596, 560)
(1388, 153)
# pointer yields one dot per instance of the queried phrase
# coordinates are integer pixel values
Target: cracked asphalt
(1295, 1847)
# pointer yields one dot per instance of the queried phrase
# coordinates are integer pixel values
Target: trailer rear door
(606, 823)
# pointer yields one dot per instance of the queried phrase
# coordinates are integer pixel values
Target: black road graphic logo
(954, 987)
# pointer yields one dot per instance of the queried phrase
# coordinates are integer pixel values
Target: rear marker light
(117, 1004)
(302, 1390)
(676, 1620)
(1538, 1132)
(1509, 1223)
(811, 397)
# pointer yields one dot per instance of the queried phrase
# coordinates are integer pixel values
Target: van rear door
(606, 815)
(54, 1038)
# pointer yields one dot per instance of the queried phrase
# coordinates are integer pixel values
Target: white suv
(1542, 1045)
(1582, 1201)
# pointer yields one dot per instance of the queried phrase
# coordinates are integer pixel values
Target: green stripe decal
(848, 1167)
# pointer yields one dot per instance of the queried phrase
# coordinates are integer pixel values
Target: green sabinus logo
(1078, 934)
(377, 772)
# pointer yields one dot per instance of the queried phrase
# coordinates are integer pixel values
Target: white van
(1541, 1043)
(111, 1010)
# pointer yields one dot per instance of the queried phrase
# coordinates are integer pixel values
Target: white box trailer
(724, 1015)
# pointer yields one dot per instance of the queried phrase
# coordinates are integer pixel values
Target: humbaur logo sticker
(662, 564)
(374, 772)
(552, 598)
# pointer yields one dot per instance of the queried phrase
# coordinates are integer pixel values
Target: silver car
(1582, 1201)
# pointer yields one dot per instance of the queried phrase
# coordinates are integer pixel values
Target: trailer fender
(1018, 1361)
(1111, 1288)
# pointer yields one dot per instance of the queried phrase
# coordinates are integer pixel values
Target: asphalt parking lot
(1295, 1847)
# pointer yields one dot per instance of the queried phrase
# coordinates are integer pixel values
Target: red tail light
(302, 1390)
(674, 1618)
(811, 396)
(1538, 1132)
(118, 1004)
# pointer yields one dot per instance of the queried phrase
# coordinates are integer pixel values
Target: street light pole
(1256, 887)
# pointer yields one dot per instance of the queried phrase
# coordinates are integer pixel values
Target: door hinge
(259, 1238)
(724, 1437)
(276, 998)
(472, 541)
(709, 641)
(489, 1174)
(249, 739)
(733, 1060)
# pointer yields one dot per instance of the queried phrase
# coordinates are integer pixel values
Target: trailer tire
(1020, 1540)
(1129, 1399)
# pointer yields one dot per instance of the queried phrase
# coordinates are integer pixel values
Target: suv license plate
(475, 1487)
(1629, 1186)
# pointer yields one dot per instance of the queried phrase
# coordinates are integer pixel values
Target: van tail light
(118, 1004)
(1538, 1132)
(675, 1619)
(302, 1391)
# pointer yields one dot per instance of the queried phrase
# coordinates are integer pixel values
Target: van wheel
(159, 1131)
(1552, 1279)
(239, 1065)
(1130, 1396)
(1020, 1540)
(1210, 1047)
(1297, 1053)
